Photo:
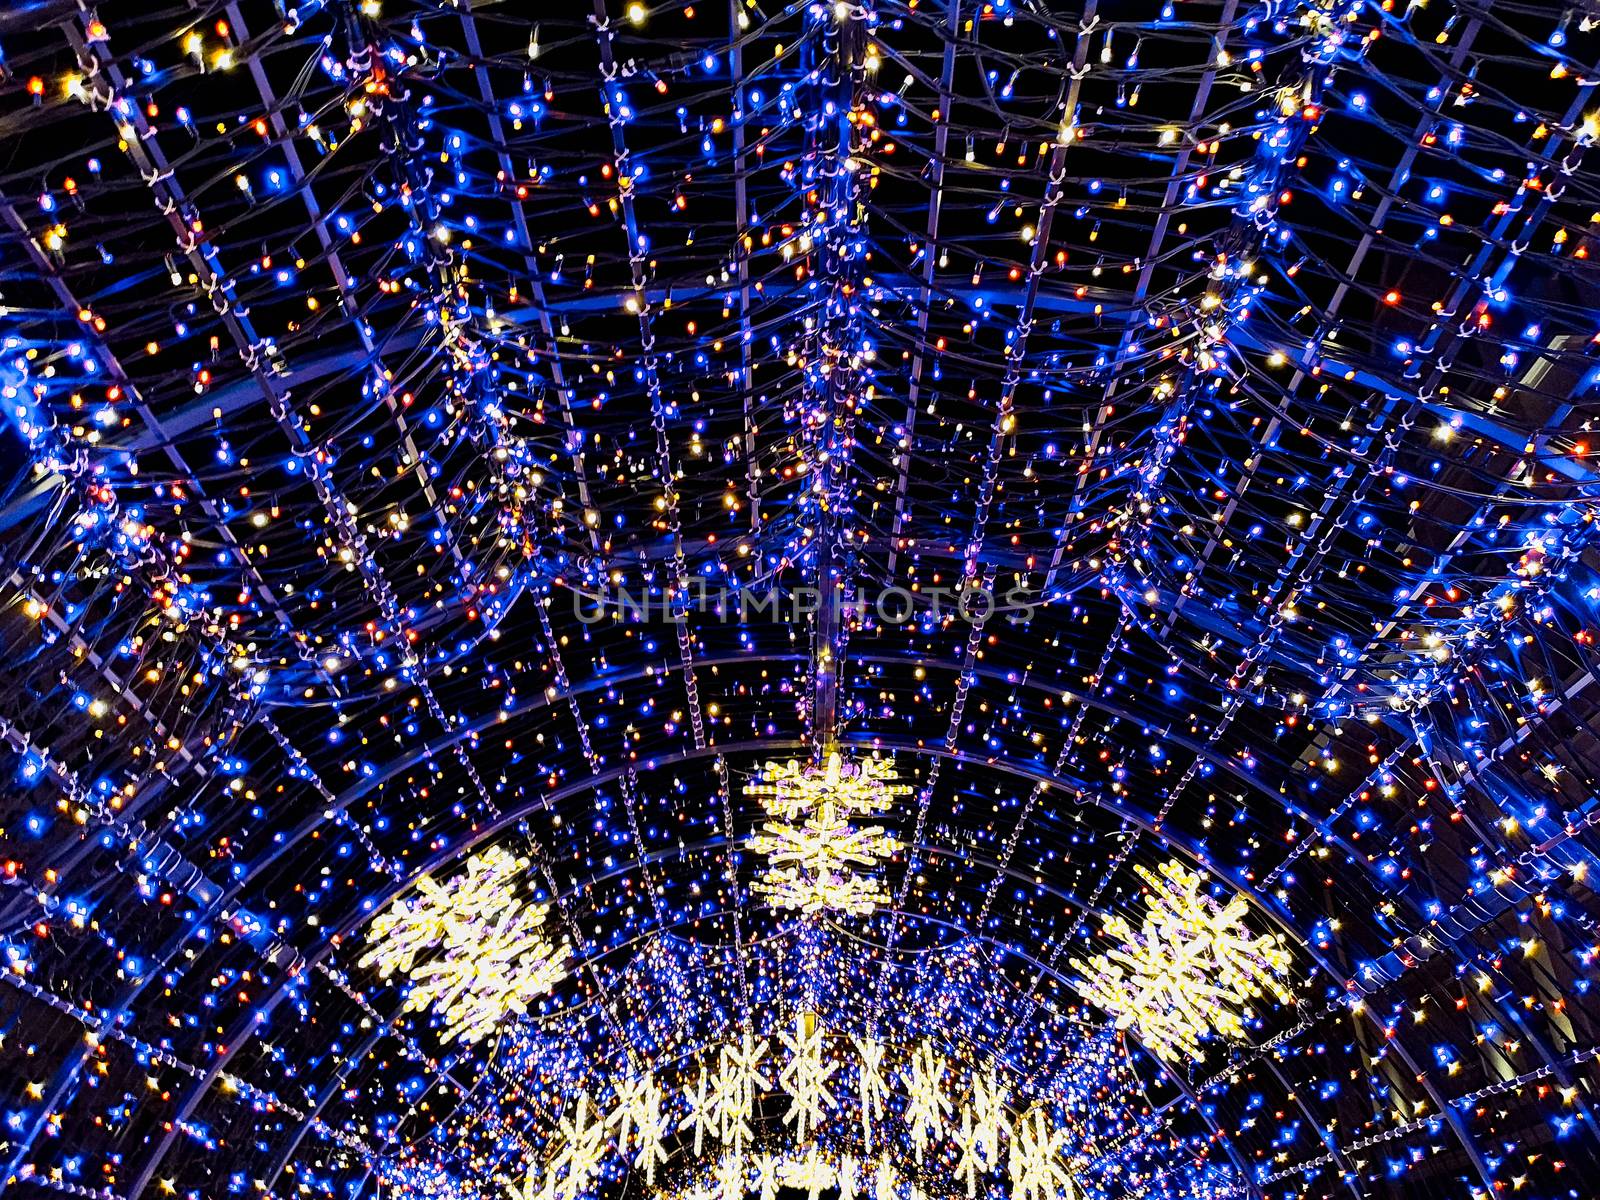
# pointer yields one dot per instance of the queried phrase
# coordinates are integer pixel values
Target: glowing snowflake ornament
(990, 1098)
(812, 1174)
(927, 1105)
(1037, 1169)
(739, 1083)
(731, 1176)
(583, 1147)
(818, 861)
(871, 1085)
(806, 1075)
(493, 956)
(1189, 973)
(534, 1186)
(862, 788)
(704, 1116)
(638, 1111)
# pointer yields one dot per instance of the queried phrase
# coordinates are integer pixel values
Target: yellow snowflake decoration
(817, 859)
(952, 1116)
(1037, 1168)
(1190, 972)
(863, 788)
(471, 948)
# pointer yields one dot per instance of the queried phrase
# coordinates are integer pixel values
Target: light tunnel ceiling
(907, 599)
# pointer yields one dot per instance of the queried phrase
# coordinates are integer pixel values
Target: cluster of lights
(1190, 971)
(1188, 430)
(815, 1170)
(909, 1113)
(818, 859)
(471, 948)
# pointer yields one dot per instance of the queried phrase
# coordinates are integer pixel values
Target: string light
(1186, 412)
